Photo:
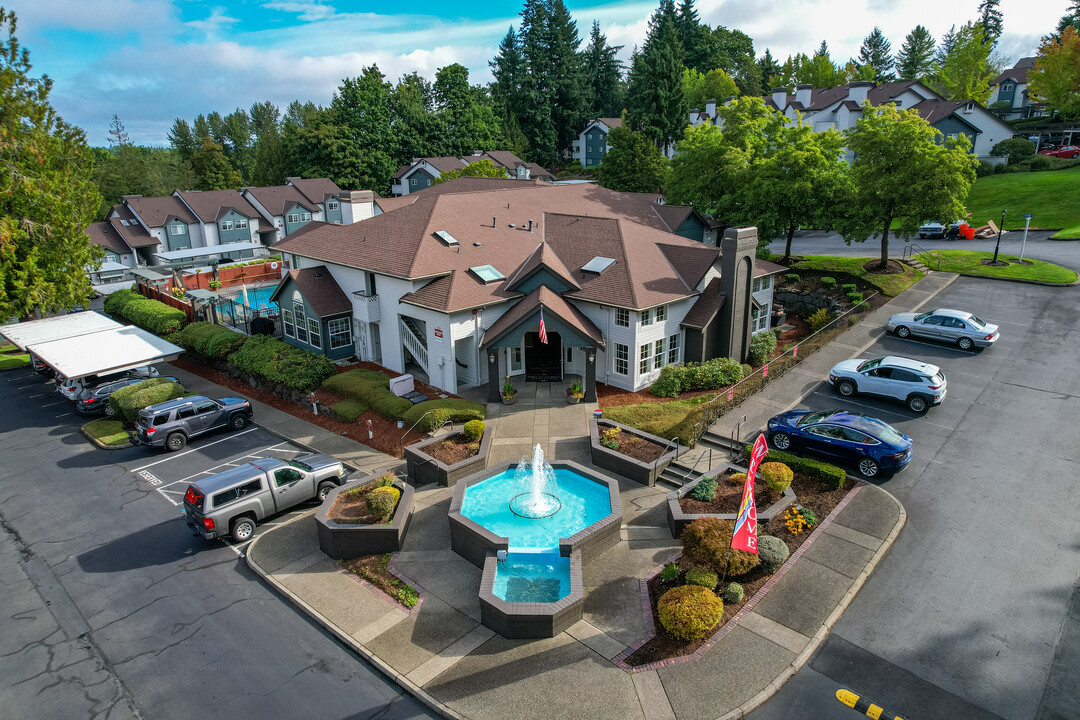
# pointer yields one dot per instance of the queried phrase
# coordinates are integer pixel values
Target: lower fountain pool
(532, 578)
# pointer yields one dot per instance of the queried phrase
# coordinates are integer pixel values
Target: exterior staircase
(711, 450)
(414, 338)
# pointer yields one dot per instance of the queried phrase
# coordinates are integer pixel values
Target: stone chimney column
(738, 249)
(779, 96)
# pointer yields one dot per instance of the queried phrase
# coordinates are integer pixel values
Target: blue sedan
(867, 443)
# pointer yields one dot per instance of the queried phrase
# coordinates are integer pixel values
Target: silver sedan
(952, 326)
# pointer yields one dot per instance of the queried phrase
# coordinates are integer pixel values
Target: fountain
(530, 528)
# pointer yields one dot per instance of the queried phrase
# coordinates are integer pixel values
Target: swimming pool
(257, 298)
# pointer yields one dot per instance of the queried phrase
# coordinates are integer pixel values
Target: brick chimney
(779, 96)
(738, 248)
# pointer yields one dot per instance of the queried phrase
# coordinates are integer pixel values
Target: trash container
(968, 232)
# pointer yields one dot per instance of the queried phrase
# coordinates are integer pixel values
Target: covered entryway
(543, 361)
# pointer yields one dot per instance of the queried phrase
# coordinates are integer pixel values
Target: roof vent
(446, 237)
(487, 273)
(476, 244)
(512, 225)
(598, 265)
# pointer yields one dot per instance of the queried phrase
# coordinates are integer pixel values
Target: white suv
(70, 388)
(916, 384)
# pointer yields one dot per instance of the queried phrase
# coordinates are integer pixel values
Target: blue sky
(150, 61)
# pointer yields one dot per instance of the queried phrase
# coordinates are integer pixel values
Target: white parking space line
(55, 403)
(943, 346)
(174, 457)
(64, 414)
(39, 395)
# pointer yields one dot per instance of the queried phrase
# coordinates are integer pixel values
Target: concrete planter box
(530, 620)
(474, 542)
(678, 520)
(342, 541)
(423, 468)
(628, 467)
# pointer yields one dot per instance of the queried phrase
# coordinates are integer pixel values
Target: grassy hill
(1053, 197)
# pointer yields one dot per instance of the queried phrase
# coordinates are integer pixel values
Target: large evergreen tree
(1069, 19)
(362, 106)
(656, 104)
(876, 52)
(212, 169)
(570, 95)
(769, 70)
(48, 195)
(632, 163)
(916, 57)
(603, 71)
(948, 40)
(269, 164)
(990, 18)
(699, 45)
(465, 116)
(414, 125)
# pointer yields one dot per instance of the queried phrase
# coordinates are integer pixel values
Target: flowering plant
(798, 518)
(607, 438)
(575, 390)
(508, 390)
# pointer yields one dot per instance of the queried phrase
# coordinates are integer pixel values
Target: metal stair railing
(413, 344)
(914, 250)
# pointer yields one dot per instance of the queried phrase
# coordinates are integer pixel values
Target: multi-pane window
(762, 283)
(315, 332)
(340, 333)
(288, 323)
(673, 349)
(226, 224)
(658, 354)
(622, 359)
(331, 204)
(761, 318)
(661, 313)
(241, 224)
(622, 317)
(646, 317)
(412, 182)
(644, 356)
(305, 216)
(178, 229)
(301, 322)
(292, 218)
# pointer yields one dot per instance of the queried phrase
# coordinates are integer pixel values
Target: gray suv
(170, 424)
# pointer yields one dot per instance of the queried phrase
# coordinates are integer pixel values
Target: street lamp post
(1000, 228)
(1027, 222)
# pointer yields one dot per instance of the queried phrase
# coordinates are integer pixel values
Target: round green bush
(1040, 163)
(761, 346)
(473, 430)
(705, 490)
(707, 541)
(736, 478)
(791, 277)
(670, 573)
(689, 611)
(348, 410)
(773, 552)
(702, 576)
(443, 409)
(1002, 169)
(381, 501)
(669, 383)
(983, 169)
(747, 369)
(733, 593)
(776, 475)
(385, 480)
(828, 283)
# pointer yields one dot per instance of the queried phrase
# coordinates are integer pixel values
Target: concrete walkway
(443, 655)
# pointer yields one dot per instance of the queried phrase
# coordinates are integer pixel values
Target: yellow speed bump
(865, 706)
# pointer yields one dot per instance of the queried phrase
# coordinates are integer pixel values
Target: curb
(1023, 281)
(101, 446)
(394, 676)
(826, 627)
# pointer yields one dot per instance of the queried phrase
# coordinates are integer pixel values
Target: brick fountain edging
(620, 659)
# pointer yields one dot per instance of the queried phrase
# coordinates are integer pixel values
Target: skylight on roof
(446, 237)
(487, 273)
(598, 264)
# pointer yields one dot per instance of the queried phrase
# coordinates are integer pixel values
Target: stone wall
(804, 303)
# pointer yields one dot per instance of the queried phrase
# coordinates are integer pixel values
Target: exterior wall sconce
(592, 357)
(491, 359)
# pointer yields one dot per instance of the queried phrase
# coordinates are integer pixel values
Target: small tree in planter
(215, 284)
(508, 393)
(574, 393)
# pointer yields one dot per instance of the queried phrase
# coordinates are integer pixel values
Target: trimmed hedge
(689, 611)
(831, 475)
(349, 410)
(776, 475)
(371, 388)
(154, 315)
(684, 377)
(761, 346)
(127, 402)
(279, 362)
(702, 576)
(452, 409)
(210, 340)
(115, 302)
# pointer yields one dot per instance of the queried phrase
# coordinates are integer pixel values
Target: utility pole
(1027, 223)
(1000, 228)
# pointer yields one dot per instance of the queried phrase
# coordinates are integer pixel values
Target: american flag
(543, 330)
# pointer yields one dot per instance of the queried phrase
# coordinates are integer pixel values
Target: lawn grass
(967, 262)
(666, 419)
(1053, 197)
(890, 285)
(108, 432)
(11, 362)
(7, 348)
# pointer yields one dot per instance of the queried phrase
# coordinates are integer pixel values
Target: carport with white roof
(24, 334)
(106, 351)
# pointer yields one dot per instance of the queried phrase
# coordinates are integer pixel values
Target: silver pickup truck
(232, 502)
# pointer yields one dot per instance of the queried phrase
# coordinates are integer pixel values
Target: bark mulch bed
(387, 434)
(727, 498)
(351, 507)
(374, 569)
(452, 449)
(637, 447)
(811, 493)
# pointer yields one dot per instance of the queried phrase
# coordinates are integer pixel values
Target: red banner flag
(543, 330)
(764, 371)
(745, 535)
(731, 393)
(795, 352)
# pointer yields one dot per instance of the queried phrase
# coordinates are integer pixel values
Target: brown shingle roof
(933, 111)
(504, 158)
(155, 211)
(554, 304)
(442, 164)
(1017, 75)
(539, 171)
(764, 267)
(672, 215)
(210, 205)
(542, 255)
(279, 198)
(133, 233)
(708, 304)
(102, 233)
(611, 122)
(691, 261)
(320, 290)
(315, 189)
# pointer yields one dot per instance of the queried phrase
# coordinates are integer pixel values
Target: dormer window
(331, 205)
(178, 229)
(1006, 87)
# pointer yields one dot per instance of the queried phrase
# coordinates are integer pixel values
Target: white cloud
(308, 11)
(217, 21)
(96, 16)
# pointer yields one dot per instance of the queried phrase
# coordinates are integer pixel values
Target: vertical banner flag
(731, 393)
(764, 371)
(543, 330)
(745, 535)
(795, 352)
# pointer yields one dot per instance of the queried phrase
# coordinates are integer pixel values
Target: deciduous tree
(966, 72)
(1055, 79)
(714, 85)
(632, 163)
(362, 105)
(212, 169)
(480, 168)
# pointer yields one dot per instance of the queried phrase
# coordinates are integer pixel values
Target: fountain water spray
(541, 496)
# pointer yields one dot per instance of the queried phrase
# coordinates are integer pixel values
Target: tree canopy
(1055, 79)
(966, 72)
(876, 53)
(916, 57)
(480, 168)
(632, 163)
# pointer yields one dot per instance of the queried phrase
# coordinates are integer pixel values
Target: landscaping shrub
(115, 302)
(684, 377)
(831, 475)
(983, 169)
(702, 576)
(761, 346)
(736, 478)
(209, 340)
(452, 409)
(1016, 149)
(733, 593)
(773, 552)
(849, 288)
(390, 405)
(705, 490)
(670, 573)
(819, 319)
(473, 430)
(689, 611)
(747, 368)
(381, 501)
(828, 283)
(669, 382)
(385, 480)
(707, 541)
(348, 410)
(1002, 169)
(154, 315)
(128, 401)
(776, 475)
(1040, 163)
(279, 362)
(263, 326)
(792, 277)
(854, 297)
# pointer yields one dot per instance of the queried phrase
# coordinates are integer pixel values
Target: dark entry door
(543, 363)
